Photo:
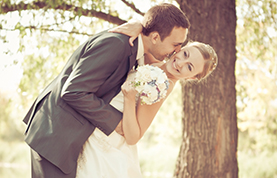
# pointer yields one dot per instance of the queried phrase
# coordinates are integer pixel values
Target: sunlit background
(30, 58)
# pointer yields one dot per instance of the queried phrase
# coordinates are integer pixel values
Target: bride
(115, 156)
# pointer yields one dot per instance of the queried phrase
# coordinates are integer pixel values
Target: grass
(157, 161)
(262, 165)
(14, 160)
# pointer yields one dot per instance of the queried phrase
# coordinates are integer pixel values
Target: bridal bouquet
(151, 83)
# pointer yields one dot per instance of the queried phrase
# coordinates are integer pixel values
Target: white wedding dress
(109, 156)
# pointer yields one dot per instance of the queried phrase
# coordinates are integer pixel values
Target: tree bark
(209, 145)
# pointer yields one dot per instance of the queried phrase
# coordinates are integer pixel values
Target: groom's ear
(155, 36)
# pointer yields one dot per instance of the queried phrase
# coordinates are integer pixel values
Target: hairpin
(210, 51)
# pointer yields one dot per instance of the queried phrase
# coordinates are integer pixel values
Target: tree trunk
(209, 145)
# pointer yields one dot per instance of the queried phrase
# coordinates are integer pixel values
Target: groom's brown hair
(162, 19)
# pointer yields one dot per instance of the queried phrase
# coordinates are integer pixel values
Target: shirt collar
(140, 53)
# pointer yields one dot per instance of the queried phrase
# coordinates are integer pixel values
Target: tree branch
(132, 6)
(5, 8)
(46, 29)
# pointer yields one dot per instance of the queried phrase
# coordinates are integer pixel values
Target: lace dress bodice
(118, 101)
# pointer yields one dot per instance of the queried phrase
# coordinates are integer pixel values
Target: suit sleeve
(97, 63)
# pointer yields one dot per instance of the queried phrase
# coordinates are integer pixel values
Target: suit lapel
(133, 57)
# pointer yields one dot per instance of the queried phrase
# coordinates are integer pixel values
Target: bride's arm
(130, 125)
(132, 28)
(137, 119)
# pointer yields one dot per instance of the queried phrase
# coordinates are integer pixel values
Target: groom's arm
(98, 63)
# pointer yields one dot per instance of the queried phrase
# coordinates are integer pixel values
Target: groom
(77, 101)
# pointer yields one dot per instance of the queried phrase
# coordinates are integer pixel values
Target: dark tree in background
(209, 141)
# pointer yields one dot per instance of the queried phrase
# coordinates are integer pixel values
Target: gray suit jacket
(66, 113)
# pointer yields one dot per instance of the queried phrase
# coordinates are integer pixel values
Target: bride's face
(186, 63)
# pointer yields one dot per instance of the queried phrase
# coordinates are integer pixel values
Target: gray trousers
(42, 168)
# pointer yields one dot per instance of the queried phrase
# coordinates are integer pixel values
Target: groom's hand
(119, 128)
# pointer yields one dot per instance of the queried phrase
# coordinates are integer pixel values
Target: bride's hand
(129, 91)
(132, 29)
